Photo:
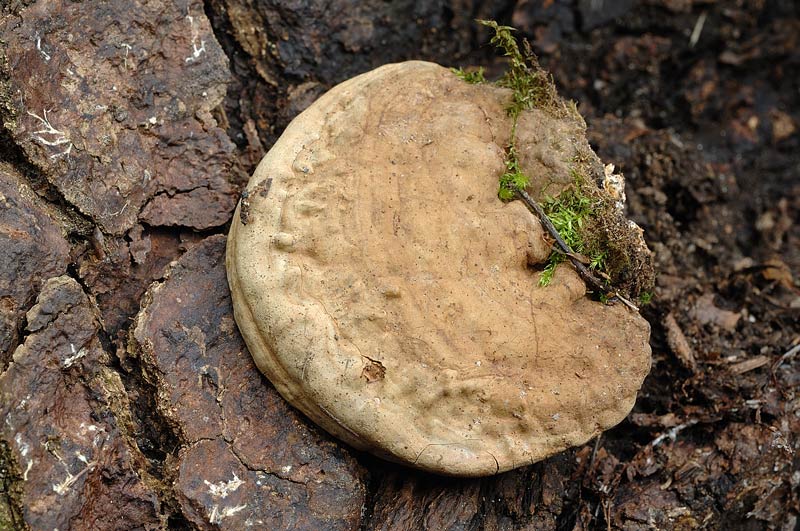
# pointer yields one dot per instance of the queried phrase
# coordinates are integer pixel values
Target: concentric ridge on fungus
(409, 322)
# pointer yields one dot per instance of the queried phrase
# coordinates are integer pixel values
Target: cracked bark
(33, 250)
(239, 425)
(82, 457)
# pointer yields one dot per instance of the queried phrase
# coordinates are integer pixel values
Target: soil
(124, 379)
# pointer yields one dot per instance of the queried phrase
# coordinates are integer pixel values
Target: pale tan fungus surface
(385, 290)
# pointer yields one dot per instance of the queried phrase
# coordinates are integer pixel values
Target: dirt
(695, 101)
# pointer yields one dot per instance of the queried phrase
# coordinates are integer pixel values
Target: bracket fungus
(391, 296)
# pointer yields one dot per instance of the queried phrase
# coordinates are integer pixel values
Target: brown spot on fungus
(373, 371)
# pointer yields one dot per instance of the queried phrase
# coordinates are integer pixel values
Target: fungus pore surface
(388, 294)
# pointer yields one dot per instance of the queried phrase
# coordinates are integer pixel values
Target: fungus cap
(388, 294)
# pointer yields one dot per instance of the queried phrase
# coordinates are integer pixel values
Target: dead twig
(584, 272)
(678, 343)
(788, 354)
(749, 364)
(594, 452)
(672, 433)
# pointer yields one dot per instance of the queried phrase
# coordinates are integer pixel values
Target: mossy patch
(645, 298)
(588, 219)
(530, 85)
(8, 111)
(583, 214)
(513, 178)
(473, 77)
(531, 88)
(10, 491)
(574, 209)
(571, 213)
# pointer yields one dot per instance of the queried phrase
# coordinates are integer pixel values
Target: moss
(589, 221)
(585, 217)
(473, 77)
(8, 111)
(10, 491)
(573, 214)
(572, 109)
(513, 178)
(531, 87)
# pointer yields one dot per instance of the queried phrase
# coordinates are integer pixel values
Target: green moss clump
(583, 215)
(473, 77)
(572, 213)
(531, 86)
(513, 178)
(10, 491)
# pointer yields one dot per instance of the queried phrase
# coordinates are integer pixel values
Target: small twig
(788, 354)
(626, 302)
(564, 248)
(672, 433)
(607, 513)
(677, 342)
(698, 29)
(594, 451)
